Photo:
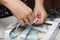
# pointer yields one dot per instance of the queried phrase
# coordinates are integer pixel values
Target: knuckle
(23, 16)
(30, 11)
(46, 15)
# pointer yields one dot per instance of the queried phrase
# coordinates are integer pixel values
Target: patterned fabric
(4, 12)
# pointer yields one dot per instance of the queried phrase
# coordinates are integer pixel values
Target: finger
(31, 18)
(21, 22)
(36, 13)
(26, 21)
(40, 20)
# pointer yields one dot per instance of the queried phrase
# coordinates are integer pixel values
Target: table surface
(4, 22)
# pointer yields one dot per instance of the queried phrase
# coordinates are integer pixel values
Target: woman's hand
(22, 12)
(39, 11)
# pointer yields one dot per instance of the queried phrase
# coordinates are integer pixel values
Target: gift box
(46, 31)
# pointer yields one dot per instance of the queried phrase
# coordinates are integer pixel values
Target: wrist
(39, 2)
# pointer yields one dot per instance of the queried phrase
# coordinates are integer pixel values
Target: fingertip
(21, 22)
(39, 22)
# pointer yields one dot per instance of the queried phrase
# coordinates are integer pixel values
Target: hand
(22, 12)
(40, 13)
